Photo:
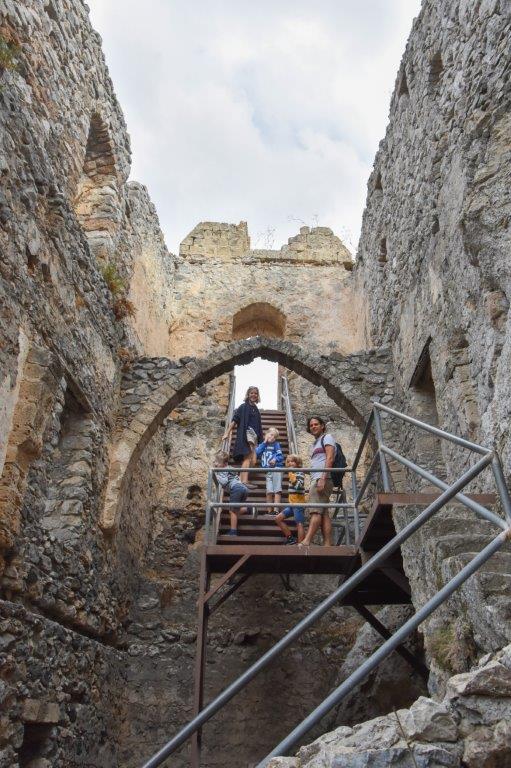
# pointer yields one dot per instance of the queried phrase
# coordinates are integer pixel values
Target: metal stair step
(263, 540)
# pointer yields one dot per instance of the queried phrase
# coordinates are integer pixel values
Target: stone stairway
(442, 548)
(261, 528)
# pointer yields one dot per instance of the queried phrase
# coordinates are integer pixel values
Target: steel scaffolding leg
(200, 657)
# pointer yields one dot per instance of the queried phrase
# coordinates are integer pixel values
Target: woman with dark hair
(250, 431)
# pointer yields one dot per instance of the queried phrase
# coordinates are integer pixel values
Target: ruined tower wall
(434, 265)
(83, 270)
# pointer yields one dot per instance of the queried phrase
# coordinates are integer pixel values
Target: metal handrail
(450, 492)
(286, 402)
(226, 444)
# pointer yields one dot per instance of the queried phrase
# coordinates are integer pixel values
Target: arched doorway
(344, 381)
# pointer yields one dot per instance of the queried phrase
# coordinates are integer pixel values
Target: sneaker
(251, 486)
(291, 540)
(232, 532)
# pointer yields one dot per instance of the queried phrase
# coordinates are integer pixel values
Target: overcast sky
(268, 112)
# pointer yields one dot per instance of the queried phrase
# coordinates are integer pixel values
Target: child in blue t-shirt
(271, 455)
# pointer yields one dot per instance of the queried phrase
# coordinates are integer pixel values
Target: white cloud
(256, 111)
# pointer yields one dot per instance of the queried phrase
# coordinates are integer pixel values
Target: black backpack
(339, 463)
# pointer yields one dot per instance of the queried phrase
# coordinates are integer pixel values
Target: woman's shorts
(273, 482)
(238, 493)
(323, 497)
(296, 512)
(251, 437)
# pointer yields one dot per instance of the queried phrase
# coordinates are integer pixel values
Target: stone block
(37, 711)
(427, 720)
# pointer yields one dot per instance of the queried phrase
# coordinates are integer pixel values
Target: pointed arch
(345, 380)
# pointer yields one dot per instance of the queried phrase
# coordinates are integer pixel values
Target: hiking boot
(291, 540)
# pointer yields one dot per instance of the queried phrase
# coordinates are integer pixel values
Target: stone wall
(433, 262)
(224, 290)
(113, 368)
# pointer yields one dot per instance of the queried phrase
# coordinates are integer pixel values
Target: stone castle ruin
(115, 358)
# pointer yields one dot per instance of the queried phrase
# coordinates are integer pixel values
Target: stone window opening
(378, 186)
(259, 319)
(436, 68)
(50, 10)
(427, 447)
(69, 473)
(96, 202)
(36, 746)
(382, 254)
(403, 86)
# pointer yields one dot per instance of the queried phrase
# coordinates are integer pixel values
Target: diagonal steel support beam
(234, 588)
(398, 578)
(229, 574)
(382, 630)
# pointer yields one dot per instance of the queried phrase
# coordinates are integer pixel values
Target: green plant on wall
(9, 52)
(112, 278)
(121, 305)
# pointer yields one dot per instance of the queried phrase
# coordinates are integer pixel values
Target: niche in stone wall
(403, 86)
(436, 67)
(96, 201)
(259, 319)
(382, 252)
(423, 402)
(69, 467)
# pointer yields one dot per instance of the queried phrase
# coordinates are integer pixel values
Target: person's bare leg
(313, 528)
(248, 461)
(326, 529)
(300, 532)
(276, 500)
(234, 521)
(269, 501)
(244, 475)
(286, 530)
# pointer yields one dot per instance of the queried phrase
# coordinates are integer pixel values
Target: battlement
(227, 242)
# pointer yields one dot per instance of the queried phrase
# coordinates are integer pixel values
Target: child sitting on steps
(296, 498)
(271, 455)
(238, 491)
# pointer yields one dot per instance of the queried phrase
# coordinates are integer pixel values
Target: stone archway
(351, 381)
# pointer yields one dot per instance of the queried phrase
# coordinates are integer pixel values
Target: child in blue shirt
(271, 455)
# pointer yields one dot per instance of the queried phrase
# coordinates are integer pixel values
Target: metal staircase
(259, 528)
(371, 570)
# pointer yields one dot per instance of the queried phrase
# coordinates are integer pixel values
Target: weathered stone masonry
(110, 349)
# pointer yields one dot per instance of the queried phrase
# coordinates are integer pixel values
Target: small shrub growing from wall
(112, 278)
(123, 307)
(9, 52)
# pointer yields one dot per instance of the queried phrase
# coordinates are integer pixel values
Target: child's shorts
(297, 512)
(273, 482)
(238, 493)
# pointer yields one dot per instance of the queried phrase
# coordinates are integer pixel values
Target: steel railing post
(500, 482)
(383, 461)
(207, 524)
(356, 520)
